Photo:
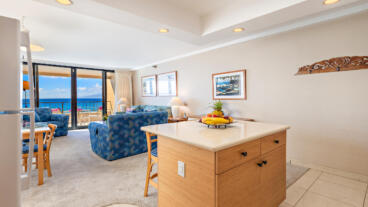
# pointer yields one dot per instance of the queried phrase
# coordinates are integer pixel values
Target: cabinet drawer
(273, 141)
(234, 156)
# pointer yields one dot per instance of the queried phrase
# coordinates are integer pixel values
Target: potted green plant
(105, 118)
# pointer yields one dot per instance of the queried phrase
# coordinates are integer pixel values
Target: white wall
(328, 113)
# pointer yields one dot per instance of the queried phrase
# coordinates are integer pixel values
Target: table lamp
(122, 103)
(175, 104)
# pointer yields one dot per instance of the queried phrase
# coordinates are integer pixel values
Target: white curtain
(123, 87)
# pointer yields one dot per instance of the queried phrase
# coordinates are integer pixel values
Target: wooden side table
(173, 120)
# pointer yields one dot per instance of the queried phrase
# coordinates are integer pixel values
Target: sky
(59, 87)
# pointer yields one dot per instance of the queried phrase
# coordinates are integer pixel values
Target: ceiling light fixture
(328, 2)
(35, 48)
(239, 29)
(163, 30)
(65, 2)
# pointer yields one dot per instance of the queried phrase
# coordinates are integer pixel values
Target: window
(89, 96)
(85, 95)
(54, 87)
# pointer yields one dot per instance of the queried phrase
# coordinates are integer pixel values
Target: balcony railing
(87, 110)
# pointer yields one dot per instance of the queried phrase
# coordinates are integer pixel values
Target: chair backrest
(151, 138)
(49, 136)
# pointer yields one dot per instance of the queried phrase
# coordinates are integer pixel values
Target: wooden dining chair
(46, 147)
(151, 160)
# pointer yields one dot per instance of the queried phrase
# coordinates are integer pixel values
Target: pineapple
(217, 107)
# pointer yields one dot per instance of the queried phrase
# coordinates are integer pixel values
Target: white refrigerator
(11, 39)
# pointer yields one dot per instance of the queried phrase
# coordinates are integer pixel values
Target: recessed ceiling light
(65, 2)
(163, 30)
(35, 48)
(239, 29)
(328, 2)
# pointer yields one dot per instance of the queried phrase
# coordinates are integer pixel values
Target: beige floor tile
(350, 175)
(339, 192)
(284, 204)
(293, 194)
(355, 176)
(308, 178)
(315, 200)
(343, 181)
(366, 200)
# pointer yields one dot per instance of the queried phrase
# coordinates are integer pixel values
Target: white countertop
(197, 134)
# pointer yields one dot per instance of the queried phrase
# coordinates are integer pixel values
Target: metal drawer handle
(276, 141)
(260, 164)
(244, 154)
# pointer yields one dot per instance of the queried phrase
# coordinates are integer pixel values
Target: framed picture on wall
(167, 84)
(229, 85)
(149, 85)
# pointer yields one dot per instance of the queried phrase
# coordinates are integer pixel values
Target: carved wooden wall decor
(335, 64)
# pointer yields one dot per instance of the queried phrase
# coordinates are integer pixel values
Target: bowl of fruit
(216, 118)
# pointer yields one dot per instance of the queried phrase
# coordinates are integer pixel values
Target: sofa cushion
(27, 119)
(57, 123)
(154, 152)
(37, 118)
(150, 108)
(165, 108)
(137, 108)
(44, 113)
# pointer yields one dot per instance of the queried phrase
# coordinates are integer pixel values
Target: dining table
(39, 135)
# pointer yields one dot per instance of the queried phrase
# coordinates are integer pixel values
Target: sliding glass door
(89, 97)
(84, 94)
(54, 89)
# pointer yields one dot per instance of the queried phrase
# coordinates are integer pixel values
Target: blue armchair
(60, 120)
(122, 136)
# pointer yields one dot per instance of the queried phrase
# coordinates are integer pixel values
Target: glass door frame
(73, 88)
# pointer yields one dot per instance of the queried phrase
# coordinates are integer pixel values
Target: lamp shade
(185, 110)
(25, 85)
(176, 101)
(122, 101)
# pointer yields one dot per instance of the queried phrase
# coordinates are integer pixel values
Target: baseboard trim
(350, 175)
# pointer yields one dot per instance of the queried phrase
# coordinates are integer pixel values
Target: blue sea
(64, 105)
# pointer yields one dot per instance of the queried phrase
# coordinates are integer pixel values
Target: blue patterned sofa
(122, 136)
(45, 115)
(150, 108)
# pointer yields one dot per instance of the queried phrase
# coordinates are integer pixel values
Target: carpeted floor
(82, 179)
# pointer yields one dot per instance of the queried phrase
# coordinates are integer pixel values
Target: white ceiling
(124, 33)
(201, 7)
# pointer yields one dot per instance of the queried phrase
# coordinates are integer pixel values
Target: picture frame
(149, 86)
(229, 85)
(167, 84)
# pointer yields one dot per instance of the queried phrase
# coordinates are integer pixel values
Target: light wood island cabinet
(241, 166)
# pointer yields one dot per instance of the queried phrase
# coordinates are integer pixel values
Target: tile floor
(325, 189)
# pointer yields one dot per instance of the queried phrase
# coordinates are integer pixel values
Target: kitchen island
(242, 165)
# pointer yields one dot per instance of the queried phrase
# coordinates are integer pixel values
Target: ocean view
(64, 104)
